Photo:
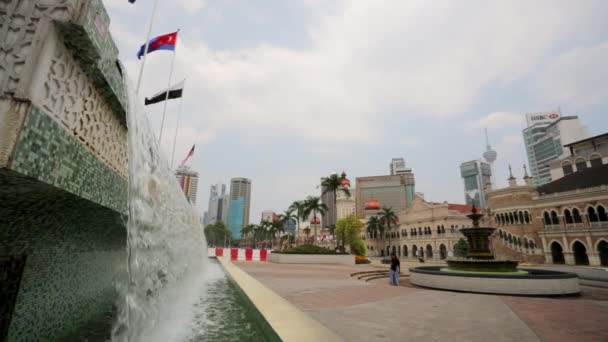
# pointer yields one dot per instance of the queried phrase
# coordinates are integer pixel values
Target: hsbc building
(542, 117)
(544, 138)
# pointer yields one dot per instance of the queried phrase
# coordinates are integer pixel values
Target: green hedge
(308, 249)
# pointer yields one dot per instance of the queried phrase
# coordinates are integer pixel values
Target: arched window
(526, 217)
(510, 238)
(581, 164)
(546, 218)
(601, 213)
(502, 219)
(592, 215)
(595, 160)
(511, 220)
(567, 168)
(419, 230)
(526, 243)
(568, 216)
(554, 218)
(532, 244)
(521, 217)
(516, 218)
(576, 216)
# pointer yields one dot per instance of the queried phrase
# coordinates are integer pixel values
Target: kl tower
(490, 156)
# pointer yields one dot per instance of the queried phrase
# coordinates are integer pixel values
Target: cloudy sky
(285, 92)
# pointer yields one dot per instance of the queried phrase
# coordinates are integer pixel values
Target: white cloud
(191, 6)
(366, 59)
(497, 120)
(577, 78)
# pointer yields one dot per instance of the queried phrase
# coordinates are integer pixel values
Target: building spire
(511, 172)
(526, 172)
(487, 140)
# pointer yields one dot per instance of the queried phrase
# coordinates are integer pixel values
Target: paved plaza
(374, 311)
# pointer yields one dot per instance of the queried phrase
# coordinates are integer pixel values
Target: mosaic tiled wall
(66, 93)
(62, 293)
(75, 251)
(47, 152)
(97, 52)
(85, 25)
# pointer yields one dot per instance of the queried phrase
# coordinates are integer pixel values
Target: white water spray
(165, 244)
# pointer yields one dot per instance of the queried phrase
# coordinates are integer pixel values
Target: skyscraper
(396, 192)
(476, 176)
(215, 211)
(240, 202)
(544, 138)
(188, 182)
(397, 167)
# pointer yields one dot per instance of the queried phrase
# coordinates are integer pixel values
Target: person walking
(395, 269)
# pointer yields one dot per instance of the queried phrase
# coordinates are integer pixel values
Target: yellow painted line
(289, 322)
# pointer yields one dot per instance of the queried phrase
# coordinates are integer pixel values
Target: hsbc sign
(542, 117)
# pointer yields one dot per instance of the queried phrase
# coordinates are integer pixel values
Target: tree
(276, 229)
(387, 219)
(333, 184)
(350, 229)
(373, 226)
(299, 207)
(313, 205)
(461, 248)
(332, 230)
(247, 231)
(217, 234)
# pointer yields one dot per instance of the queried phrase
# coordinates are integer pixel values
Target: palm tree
(307, 232)
(373, 226)
(333, 184)
(388, 218)
(263, 230)
(314, 206)
(276, 228)
(332, 230)
(247, 231)
(298, 207)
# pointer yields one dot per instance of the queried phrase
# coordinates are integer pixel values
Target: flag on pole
(190, 154)
(163, 42)
(174, 92)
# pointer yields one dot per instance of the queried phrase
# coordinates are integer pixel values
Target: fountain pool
(480, 272)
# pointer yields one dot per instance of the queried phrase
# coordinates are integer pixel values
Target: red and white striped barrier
(239, 254)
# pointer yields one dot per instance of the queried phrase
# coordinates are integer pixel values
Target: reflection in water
(221, 315)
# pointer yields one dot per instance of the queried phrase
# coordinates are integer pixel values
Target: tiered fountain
(481, 272)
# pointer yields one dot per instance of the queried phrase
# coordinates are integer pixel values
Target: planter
(284, 258)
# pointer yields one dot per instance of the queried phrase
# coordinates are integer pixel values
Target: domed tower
(372, 207)
(490, 156)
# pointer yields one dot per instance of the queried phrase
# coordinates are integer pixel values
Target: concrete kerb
(288, 322)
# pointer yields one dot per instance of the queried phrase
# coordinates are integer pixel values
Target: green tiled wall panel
(67, 297)
(46, 151)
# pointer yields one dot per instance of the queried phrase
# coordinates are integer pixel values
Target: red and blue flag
(163, 42)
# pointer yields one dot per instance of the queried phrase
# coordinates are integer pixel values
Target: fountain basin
(533, 283)
(482, 265)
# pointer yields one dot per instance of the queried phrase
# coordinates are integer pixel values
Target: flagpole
(147, 42)
(162, 123)
(179, 113)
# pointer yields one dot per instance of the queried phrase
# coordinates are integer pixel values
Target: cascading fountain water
(165, 244)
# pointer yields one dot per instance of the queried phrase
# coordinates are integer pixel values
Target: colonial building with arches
(425, 229)
(566, 220)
